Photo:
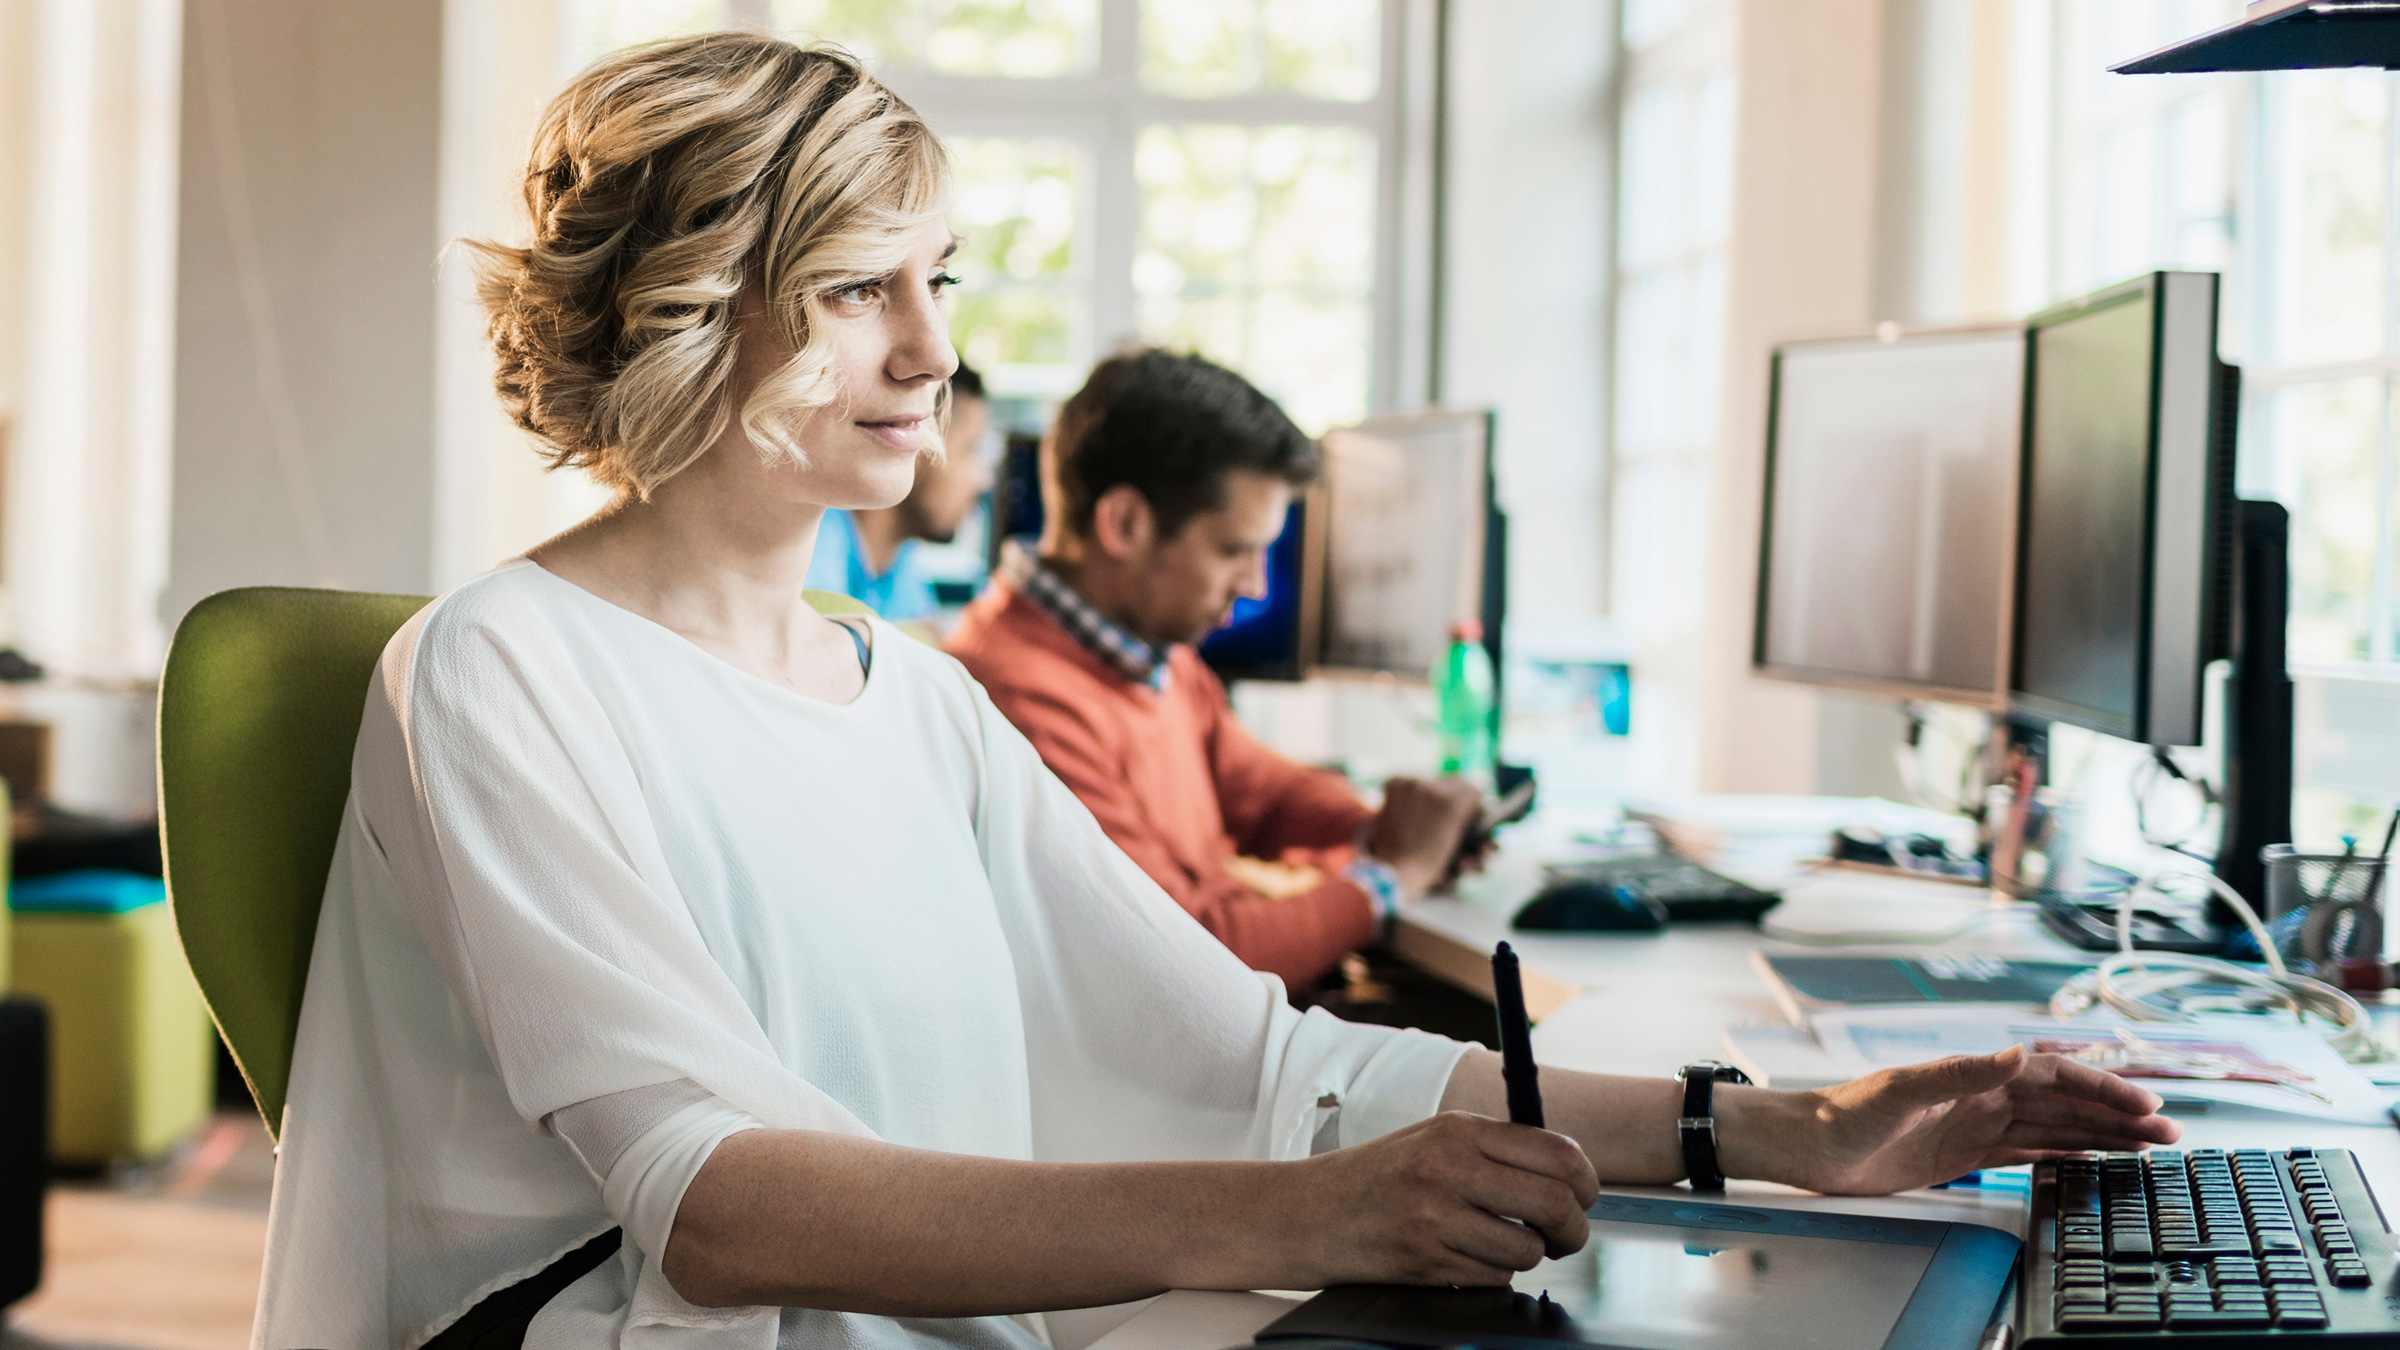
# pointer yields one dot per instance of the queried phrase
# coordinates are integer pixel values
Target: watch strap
(1697, 1126)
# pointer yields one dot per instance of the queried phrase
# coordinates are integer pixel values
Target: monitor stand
(2256, 796)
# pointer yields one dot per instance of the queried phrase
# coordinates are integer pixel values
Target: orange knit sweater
(1179, 785)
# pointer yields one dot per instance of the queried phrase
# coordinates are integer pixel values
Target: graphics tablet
(1686, 1274)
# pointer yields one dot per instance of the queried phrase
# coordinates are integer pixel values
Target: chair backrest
(258, 713)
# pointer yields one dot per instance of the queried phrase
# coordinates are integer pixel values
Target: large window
(1216, 175)
(2287, 184)
(1674, 222)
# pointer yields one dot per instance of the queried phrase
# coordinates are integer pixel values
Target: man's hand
(1458, 1199)
(1418, 831)
(1913, 1126)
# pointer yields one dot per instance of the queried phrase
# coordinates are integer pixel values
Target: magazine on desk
(2235, 1060)
(1806, 984)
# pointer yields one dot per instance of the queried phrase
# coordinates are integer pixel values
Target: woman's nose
(920, 338)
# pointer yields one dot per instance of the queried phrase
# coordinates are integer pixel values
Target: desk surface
(1647, 1003)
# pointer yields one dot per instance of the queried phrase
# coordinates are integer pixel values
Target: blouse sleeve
(1146, 1038)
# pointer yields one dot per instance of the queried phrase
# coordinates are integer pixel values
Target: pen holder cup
(2324, 908)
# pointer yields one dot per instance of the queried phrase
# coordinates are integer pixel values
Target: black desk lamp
(2287, 35)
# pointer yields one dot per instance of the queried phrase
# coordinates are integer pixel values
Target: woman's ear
(1122, 523)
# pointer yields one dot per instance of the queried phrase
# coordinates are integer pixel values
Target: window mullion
(1116, 198)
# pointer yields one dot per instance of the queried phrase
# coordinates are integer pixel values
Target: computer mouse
(1592, 907)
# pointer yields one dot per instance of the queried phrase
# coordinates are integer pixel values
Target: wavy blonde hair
(662, 179)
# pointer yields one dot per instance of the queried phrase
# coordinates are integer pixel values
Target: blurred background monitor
(1275, 638)
(2126, 534)
(1412, 541)
(1016, 500)
(1888, 523)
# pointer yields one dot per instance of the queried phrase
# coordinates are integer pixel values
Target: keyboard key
(2351, 1277)
(2300, 1320)
(2212, 1246)
(2107, 1321)
(2232, 1303)
(2129, 1245)
(2178, 1320)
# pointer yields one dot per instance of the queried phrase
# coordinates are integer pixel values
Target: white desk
(1640, 1003)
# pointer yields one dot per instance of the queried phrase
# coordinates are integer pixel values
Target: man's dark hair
(965, 383)
(1173, 426)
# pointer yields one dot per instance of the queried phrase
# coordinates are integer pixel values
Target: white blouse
(588, 868)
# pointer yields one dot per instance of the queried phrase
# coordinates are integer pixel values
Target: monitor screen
(1266, 638)
(1891, 469)
(1408, 522)
(2087, 492)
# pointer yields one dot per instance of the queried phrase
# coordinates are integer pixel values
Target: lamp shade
(2287, 35)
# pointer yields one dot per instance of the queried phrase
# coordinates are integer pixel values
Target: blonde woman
(696, 970)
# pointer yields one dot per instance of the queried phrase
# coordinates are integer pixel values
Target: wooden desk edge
(1470, 968)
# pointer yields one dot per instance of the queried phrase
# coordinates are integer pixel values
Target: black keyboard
(2206, 1248)
(1688, 891)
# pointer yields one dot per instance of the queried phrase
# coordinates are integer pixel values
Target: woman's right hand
(1434, 1203)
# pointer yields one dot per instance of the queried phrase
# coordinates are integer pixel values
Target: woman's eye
(943, 281)
(861, 293)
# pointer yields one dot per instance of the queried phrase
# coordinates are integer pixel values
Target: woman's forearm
(800, 1219)
(804, 1219)
(1627, 1125)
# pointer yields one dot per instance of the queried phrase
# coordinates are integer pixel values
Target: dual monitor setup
(2038, 520)
(1398, 540)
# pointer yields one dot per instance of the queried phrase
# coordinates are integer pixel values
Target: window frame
(1703, 42)
(1104, 111)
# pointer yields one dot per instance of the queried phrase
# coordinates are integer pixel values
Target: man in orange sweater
(1163, 483)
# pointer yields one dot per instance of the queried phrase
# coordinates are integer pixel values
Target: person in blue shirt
(871, 555)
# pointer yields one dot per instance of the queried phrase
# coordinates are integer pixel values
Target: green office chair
(258, 712)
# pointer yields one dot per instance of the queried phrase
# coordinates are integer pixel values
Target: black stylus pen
(1516, 1040)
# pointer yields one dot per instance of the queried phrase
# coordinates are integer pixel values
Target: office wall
(304, 411)
(491, 497)
(1805, 250)
(1524, 309)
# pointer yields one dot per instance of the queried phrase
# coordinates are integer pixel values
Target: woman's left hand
(1909, 1127)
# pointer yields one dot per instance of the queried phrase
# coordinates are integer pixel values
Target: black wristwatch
(1698, 1125)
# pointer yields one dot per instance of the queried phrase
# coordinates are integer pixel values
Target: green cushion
(130, 1057)
(258, 713)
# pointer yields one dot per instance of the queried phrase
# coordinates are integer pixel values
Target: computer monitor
(1016, 496)
(2127, 537)
(1275, 637)
(1412, 540)
(1889, 522)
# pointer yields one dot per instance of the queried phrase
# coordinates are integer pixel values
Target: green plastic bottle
(1462, 692)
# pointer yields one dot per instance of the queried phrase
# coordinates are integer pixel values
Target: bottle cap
(1466, 630)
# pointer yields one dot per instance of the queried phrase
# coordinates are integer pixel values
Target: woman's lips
(900, 433)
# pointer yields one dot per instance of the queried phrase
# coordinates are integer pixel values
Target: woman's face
(890, 338)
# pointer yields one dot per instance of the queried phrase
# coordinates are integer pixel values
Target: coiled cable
(2148, 986)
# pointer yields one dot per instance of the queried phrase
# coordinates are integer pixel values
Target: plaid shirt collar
(1098, 634)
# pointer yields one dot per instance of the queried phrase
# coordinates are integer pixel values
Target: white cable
(2140, 986)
